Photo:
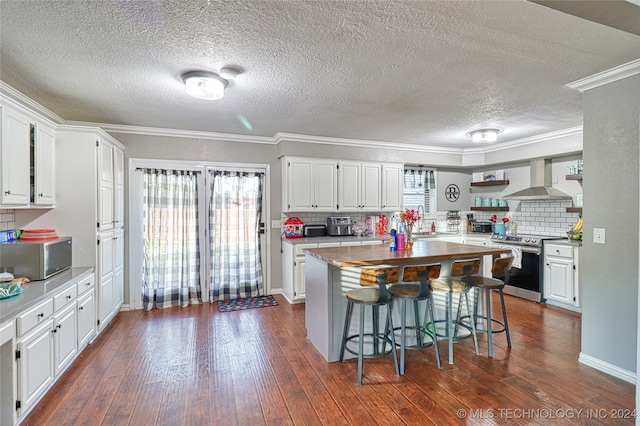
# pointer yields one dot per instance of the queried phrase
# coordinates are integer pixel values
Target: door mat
(246, 303)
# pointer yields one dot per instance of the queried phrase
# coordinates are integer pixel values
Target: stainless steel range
(525, 277)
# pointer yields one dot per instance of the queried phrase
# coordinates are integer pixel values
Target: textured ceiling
(413, 72)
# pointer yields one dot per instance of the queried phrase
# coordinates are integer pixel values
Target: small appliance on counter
(36, 260)
(483, 227)
(293, 227)
(315, 230)
(339, 226)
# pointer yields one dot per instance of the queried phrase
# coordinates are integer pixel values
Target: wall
(610, 271)
(7, 220)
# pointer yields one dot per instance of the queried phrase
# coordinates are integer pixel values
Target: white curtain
(171, 267)
(234, 235)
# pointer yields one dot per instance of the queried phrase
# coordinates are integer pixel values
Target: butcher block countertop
(379, 254)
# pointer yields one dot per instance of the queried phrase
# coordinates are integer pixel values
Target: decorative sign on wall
(452, 192)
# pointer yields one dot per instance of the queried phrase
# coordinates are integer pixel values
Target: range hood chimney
(540, 187)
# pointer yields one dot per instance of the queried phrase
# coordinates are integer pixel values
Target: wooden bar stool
(373, 297)
(461, 286)
(415, 287)
(501, 266)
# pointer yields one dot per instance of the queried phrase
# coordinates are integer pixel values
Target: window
(420, 190)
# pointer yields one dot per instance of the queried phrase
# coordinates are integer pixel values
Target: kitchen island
(332, 271)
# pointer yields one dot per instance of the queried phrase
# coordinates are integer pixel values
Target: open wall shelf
(490, 183)
(574, 210)
(490, 209)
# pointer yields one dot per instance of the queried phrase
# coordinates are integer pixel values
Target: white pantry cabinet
(26, 157)
(308, 184)
(89, 175)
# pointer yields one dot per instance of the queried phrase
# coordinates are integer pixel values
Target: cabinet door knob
(80, 308)
(69, 297)
(7, 192)
(40, 315)
(40, 195)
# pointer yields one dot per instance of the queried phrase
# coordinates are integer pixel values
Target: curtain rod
(140, 169)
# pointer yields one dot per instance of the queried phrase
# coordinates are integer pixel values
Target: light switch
(276, 224)
(598, 235)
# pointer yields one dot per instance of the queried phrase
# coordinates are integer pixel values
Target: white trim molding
(605, 367)
(605, 77)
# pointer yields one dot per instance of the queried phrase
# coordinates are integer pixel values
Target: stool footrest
(503, 329)
(376, 338)
(422, 330)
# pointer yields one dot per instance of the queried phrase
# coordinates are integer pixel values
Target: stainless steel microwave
(36, 260)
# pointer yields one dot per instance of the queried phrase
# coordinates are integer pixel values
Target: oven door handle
(525, 249)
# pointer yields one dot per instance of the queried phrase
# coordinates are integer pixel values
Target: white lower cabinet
(293, 270)
(35, 364)
(86, 319)
(8, 378)
(294, 265)
(65, 337)
(49, 337)
(561, 277)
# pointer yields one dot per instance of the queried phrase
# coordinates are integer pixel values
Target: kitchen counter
(383, 238)
(35, 291)
(422, 251)
(328, 276)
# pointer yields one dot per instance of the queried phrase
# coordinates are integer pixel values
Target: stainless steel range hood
(540, 187)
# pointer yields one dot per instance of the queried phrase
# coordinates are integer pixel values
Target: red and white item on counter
(38, 235)
(371, 226)
(293, 228)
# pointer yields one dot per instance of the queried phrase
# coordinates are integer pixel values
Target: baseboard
(605, 367)
(125, 307)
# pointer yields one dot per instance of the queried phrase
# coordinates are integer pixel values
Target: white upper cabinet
(27, 149)
(14, 156)
(106, 182)
(44, 172)
(359, 186)
(324, 185)
(309, 184)
(392, 187)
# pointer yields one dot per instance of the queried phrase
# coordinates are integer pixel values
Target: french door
(236, 238)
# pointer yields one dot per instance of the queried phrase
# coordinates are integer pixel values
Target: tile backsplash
(7, 220)
(544, 217)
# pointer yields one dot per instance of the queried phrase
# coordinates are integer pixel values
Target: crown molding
(605, 77)
(25, 101)
(361, 143)
(176, 133)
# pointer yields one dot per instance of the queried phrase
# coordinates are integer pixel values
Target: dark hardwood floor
(195, 366)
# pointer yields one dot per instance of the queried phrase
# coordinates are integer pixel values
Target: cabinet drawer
(64, 298)
(34, 316)
(559, 251)
(300, 248)
(85, 284)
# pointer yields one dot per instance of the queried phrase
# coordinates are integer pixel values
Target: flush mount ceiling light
(204, 85)
(484, 135)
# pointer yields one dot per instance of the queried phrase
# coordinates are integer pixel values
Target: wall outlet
(276, 224)
(598, 235)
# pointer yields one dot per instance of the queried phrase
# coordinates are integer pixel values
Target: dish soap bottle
(433, 227)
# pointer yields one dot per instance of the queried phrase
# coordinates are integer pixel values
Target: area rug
(246, 303)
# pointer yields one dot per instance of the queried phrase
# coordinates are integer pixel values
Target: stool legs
(504, 317)
(375, 335)
(345, 332)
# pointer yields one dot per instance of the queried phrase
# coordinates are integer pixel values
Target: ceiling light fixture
(228, 73)
(204, 85)
(484, 135)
